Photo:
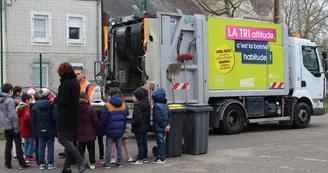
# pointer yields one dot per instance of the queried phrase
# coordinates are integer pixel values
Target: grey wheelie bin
(195, 128)
(174, 136)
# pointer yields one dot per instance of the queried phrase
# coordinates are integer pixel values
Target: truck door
(312, 78)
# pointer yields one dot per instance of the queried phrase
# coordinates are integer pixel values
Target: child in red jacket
(23, 112)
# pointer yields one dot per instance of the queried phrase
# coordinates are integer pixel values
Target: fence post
(40, 70)
(1, 51)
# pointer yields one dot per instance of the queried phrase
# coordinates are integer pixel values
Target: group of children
(37, 119)
(38, 125)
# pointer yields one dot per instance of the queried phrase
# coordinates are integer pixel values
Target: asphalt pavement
(259, 149)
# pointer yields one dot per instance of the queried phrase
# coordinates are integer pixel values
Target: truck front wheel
(302, 115)
(233, 120)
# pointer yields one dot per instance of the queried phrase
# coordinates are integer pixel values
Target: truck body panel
(252, 78)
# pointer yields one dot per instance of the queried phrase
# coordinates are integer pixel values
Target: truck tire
(302, 115)
(233, 120)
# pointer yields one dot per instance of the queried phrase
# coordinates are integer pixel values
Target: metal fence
(40, 69)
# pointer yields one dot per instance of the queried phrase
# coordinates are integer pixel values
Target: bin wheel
(155, 151)
(217, 131)
(253, 124)
(233, 119)
(184, 149)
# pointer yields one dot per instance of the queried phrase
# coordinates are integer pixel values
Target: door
(312, 78)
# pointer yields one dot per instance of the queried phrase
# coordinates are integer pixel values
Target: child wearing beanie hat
(98, 105)
(96, 95)
(140, 125)
(31, 92)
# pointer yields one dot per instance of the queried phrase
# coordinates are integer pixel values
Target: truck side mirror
(324, 54)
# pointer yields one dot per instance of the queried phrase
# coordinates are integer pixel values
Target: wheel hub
(233, 119)
(302, 115)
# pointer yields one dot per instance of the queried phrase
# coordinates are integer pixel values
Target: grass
(2, 135)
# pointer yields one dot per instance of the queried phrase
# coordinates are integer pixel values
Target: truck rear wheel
(233, 120)
(302, 115)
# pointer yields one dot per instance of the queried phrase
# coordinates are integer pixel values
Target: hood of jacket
(116, 100)
(159, 95)
(3, 97)
(68, 76)
(84, 101)
(21, 106)
(144, 103)
(43, 104)
(17, 97)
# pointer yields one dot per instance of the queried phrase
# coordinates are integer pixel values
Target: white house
(52, 30)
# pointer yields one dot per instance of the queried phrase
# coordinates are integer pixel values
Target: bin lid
(177, 108)
(199, 108)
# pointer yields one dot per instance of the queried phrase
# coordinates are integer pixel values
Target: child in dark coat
(43, 118)
(161, 120)
(87, 132)
(140, 121)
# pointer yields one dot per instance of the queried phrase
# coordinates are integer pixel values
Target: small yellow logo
(224, 58)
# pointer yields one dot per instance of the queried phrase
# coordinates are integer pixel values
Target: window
(76, 29)
(41, 27)
(44, 74)
(310, 59)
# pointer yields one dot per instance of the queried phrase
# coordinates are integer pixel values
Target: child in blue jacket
(161, 121)
(113, 122)
(43, 118)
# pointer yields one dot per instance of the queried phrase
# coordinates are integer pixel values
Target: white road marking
(286, 167)
(270, 156)
(310, 159)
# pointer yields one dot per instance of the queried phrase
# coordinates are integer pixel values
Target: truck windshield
(310, 59)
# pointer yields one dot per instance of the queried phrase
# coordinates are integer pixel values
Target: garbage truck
(249, 71)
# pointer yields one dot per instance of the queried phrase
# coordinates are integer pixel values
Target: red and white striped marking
(181, 86)
(277, 85)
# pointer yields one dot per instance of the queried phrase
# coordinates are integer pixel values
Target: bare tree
(307, 17)
(220, 7)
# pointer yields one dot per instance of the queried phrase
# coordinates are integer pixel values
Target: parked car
(37, 89)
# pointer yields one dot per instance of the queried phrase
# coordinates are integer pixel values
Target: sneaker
(101, 161)
(119, 164)
(24, 167)
(30, 159)
(92, 166)
(130, 159)
(137, 162)
(160, 160)
(43, 166)
(52, 166)
(106, 166)
(113, 161)
(8, 167)
(145, 160)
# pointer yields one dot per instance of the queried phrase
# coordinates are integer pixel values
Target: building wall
(21, 53)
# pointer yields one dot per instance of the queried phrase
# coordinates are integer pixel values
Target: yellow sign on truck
(245, 55)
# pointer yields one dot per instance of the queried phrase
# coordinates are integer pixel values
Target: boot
(66, 170)
(82, 167)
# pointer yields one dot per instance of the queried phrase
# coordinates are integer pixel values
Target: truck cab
(307, 73)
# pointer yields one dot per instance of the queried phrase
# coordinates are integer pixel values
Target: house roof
(120, 8)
